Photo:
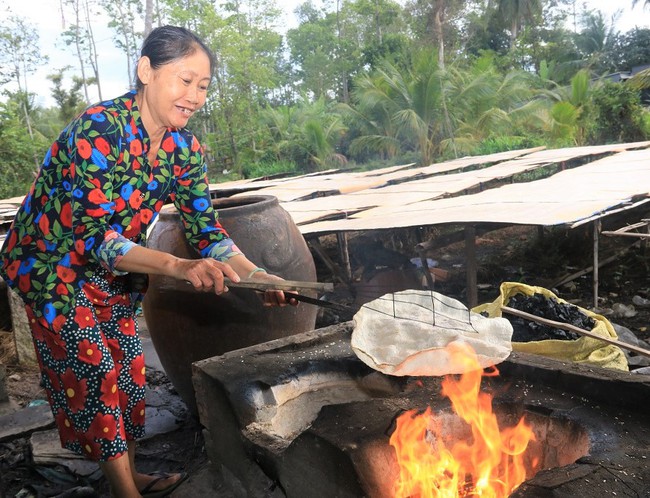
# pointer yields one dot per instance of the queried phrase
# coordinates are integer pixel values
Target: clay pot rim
(244, 205)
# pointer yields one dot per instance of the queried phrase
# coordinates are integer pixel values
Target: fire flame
(490, 464)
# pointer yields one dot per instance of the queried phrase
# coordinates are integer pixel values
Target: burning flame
(489, 465)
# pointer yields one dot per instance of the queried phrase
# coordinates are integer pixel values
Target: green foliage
(313, 47)
(618, 115)
(631, 49)
(579, 88)
(20, 155)
(307, 134)
(70, 102)
(595, 42)
(247, 51)
(565, 122)
(645, 123)
(19, 51)
(486, 31)
(505, 143)
(270, 169)
(518, 13)
(399, 110)
(377, 81)
(392, 48)
(569, 110)
(640, 81)
(486, 102)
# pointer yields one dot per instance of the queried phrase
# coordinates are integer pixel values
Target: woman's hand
(205, 274)
(274, 297)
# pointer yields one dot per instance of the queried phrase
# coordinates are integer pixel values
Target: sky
(46, 16)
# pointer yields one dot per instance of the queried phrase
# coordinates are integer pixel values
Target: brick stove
(303, 417)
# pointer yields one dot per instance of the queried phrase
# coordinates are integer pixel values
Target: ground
(523, 254)
(181, 449)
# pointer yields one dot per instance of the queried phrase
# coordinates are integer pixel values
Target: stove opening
(476, 449)
(446, 456)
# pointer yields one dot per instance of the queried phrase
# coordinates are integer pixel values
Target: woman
(80, 233)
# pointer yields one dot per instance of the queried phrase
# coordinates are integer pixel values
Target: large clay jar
(187, 326)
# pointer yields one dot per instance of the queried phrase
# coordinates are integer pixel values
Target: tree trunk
(378, 25)
(228, 116)
(345, 93)
(62, 14)
(79, 53)
(438, 19)
(125, 30)
(514, 32)
(148, 17)
(94, 63)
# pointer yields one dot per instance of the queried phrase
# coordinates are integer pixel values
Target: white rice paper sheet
(406, 333)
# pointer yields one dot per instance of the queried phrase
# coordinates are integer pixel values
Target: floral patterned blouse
(93, 200)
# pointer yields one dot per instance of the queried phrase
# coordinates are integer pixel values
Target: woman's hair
(169, 43)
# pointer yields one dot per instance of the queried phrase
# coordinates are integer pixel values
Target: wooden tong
(283, 285)
(297, 288)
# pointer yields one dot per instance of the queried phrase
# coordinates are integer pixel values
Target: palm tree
(370, 115)
(486, 103)
(400, 109)
(434, 111)
(641, 80)
(596, 39)
(306, 134)
(516, 12)
(646, 3)
(568, 105)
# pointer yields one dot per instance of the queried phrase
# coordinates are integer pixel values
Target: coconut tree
(400, 109)
(517, 12)
(641, 80)
(371, 127)
(568, 109)
(440, 112)
(306, 134)
(484, 103)
(596, 39)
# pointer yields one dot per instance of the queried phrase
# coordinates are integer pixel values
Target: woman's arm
(205, 274)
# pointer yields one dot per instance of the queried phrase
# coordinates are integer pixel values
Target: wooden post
(334, 268)
(425, 268)
(22, 332)
(597, 227)
(422, 253)
(345, 254)
(4, 396)
(470, 257)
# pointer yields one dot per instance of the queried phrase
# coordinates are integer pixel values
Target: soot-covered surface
(341, 448)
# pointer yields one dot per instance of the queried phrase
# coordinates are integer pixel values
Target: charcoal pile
(551, 309)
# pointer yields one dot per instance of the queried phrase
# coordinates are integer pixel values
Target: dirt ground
(181, 449)
(520, 253)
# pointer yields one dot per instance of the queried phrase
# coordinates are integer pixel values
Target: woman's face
(175, 91)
